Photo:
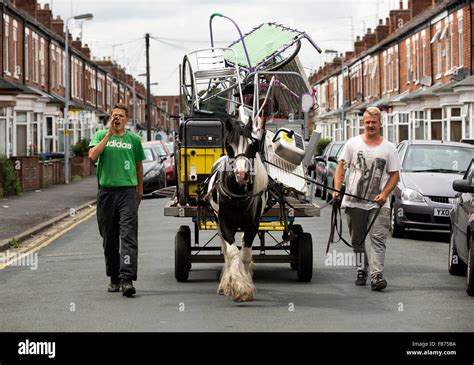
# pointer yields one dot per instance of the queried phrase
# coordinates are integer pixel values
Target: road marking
(33, 246)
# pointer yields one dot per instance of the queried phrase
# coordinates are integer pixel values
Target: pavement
(20, 214)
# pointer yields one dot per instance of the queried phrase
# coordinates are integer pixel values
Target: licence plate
(442, 212)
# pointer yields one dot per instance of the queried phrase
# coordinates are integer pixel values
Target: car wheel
(470, 270)
(323, 191)
(329, 194)
(455, 265)
(317, 193)
(396, 230)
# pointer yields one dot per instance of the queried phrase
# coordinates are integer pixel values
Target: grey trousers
(117, 217)
(358, 221)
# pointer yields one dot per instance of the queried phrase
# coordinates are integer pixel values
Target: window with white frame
(397, 68)
(6, 53)
(423, 54)
(43, 68)
(415, 68)
(63, 70)
(53, 66)
(27, 54)
(436, 121)
(15, 50)
(460, 43)
(73, 77)
(390, 70)
(403, 127)
(418, 123)
(59, 69)
(438, 58)
(446, 35)
(455, 124)
(466, 120)
(164, 105)
(385, 89)
(36, 56)
(451, 40)
(408, 64)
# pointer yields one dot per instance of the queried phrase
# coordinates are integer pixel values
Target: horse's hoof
(224, 291)
(244, 298)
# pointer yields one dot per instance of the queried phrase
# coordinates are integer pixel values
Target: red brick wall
(28, 172)
(46, 170)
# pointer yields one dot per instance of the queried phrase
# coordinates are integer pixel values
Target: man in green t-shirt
(120, 174)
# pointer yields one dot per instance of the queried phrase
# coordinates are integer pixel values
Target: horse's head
(241, 148)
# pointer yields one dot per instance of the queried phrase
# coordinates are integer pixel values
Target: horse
(237, 193)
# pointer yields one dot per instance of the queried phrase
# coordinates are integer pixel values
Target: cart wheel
(187, 233)
(294, 244)
(181, 254)
(305, 254)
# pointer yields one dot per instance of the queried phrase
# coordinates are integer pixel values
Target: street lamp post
(87, 16)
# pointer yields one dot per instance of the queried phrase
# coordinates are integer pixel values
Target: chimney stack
(86, 51)
(359, 46)
(29, 6)
(381, 32)
(369, 39)
(44, 16)
(418, 6)
(57, 26)
(77, 44)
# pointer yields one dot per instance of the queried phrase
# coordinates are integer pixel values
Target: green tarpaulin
(261, 44)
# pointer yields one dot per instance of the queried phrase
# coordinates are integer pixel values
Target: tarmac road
(67, 291)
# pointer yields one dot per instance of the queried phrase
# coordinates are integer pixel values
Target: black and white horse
(237, 193)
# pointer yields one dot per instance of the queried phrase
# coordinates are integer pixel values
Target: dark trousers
(117, 216)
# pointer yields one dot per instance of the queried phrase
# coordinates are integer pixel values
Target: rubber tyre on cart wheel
(182, 246)
(305, 254)
(294, 244)
(187, 232)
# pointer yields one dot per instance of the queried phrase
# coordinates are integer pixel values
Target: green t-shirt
(117, 165)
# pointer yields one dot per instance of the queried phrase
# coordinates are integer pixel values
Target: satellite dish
(461, 74)
(425, 80)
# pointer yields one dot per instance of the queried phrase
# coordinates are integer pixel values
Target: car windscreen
(437, 158)
(335, 149)
(160, 151)
(148, 155)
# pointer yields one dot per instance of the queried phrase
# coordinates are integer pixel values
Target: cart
(242, 81)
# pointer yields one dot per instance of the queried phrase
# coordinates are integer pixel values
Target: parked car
(333, 161)
(461, 250)
(167, 155)
(319, 166)
(423, 198)
(154, 176)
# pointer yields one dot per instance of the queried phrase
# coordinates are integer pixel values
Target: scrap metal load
(258, 78)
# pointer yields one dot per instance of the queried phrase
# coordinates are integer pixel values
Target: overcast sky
(119, 27)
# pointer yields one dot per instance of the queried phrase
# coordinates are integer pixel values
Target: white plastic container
(289, 146)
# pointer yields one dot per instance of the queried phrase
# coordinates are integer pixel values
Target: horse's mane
(235, 129)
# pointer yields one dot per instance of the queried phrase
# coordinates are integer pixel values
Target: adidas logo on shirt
(119, 144)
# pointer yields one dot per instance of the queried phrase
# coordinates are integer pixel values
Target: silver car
(424, 197)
